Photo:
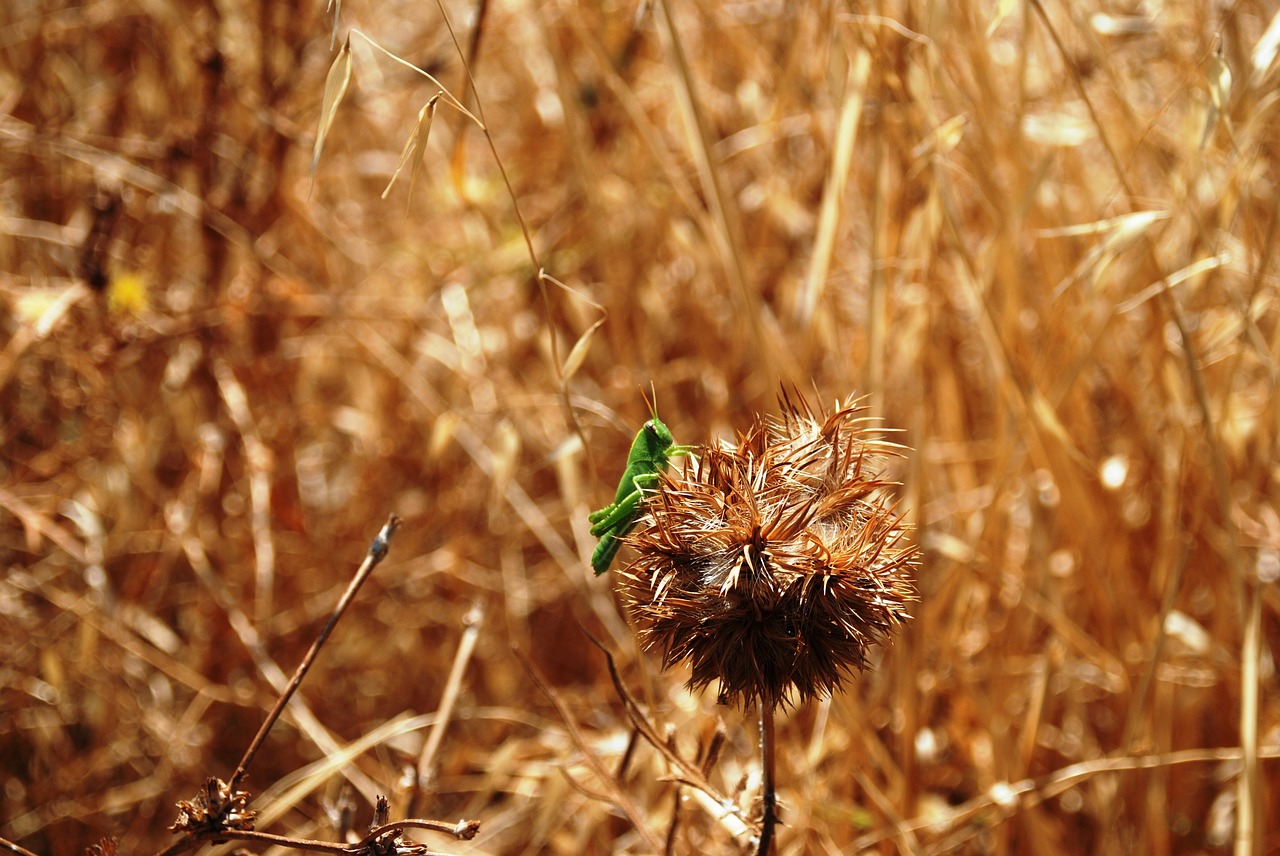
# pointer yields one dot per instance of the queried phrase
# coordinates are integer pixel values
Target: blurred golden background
(1040, 236)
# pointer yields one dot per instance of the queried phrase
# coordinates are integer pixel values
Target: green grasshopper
(650, 451)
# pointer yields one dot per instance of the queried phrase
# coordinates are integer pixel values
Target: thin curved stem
(769, 795)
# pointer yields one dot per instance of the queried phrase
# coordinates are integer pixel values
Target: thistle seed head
(773, 563)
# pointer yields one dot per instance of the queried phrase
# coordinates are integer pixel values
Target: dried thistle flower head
(773, 563)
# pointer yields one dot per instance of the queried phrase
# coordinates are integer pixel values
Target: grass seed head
(773, 563)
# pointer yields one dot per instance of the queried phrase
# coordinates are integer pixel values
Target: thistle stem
(769, 796)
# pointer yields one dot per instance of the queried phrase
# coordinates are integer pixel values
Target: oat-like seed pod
(771, 564)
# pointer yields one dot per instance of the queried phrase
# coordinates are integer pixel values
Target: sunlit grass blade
(416, 146)
(335, 88)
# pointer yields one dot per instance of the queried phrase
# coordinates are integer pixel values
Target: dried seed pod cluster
(773, 563)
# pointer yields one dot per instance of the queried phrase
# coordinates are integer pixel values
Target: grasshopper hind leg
(603, 555)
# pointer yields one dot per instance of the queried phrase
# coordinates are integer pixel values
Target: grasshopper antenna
(651, 402)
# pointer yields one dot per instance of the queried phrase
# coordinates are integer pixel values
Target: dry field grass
(1040, 236)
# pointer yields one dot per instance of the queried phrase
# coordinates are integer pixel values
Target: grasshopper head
(657, 431)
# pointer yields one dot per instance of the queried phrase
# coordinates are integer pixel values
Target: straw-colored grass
(1040, 235)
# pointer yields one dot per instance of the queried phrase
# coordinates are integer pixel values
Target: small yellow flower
(127, 293)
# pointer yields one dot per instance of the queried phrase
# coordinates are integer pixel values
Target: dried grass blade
(1133, 221)
(1219, 81)
(1264, 52)
(335, 87)
(579, 352)
(1004, 9)
(1177, 277)
(1044, 415)
(837, 181)
(1121, 232)
(334, 6)
(415, 146)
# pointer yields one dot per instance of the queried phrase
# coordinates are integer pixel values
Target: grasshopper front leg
(626, 509)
